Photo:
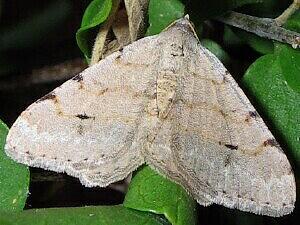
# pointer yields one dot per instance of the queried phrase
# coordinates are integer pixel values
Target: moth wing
(218, 143)
(89, 127)
(224, 141)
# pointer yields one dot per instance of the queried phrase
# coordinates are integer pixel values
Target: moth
(166, 101)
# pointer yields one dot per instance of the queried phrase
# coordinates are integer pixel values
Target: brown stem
(280, 20)
(103, 31)
(263, 27)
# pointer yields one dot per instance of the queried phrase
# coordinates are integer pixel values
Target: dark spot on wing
(225, 76)
(222, 113)
(49, 96)
(232, 147)
(118, 57)
(163, 161)
(215, 83)
(78, 78)
(271, 142)
(290, 171)
(80, 129)
(227, 160)
(102, 91)
(176, 50)
(84, 116)
(251, 114)
(177, 54)
(27, 152)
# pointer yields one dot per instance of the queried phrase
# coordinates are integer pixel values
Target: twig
(280, 20)
(263, 27)
(103, 31)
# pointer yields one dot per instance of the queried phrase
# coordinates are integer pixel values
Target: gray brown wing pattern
(90, 127)
(217, 143)
(220, 136)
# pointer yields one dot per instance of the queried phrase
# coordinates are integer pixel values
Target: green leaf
(95, 215)
(162, 13)
(289, 60)
(279, 103)
(95, 14)
(216, 49)
(293, 23)
(149, 191)
(14, 178)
